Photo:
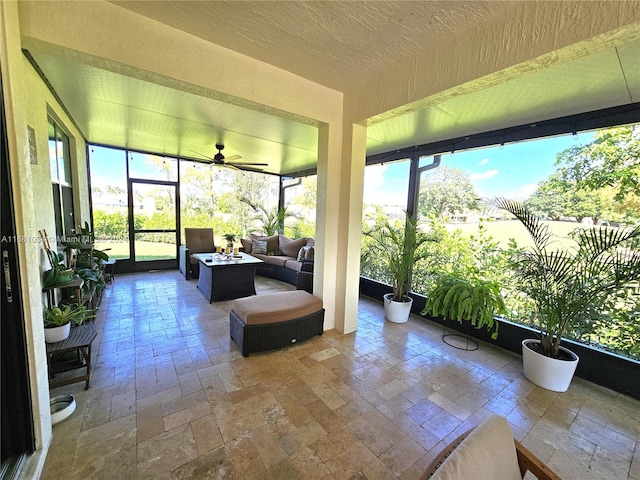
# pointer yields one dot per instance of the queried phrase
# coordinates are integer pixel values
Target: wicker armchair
(487, 452)
(196, 240)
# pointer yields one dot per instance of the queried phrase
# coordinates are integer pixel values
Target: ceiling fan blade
(202, 155)
(232, 158)
(231, 166)
(242, 164)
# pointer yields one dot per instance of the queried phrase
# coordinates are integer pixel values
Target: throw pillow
(291, 247)
(310, 253)
(246, 244)
(259, 246)
(301, 254)
(272, 242)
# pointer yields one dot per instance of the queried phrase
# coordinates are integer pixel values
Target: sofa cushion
(276, 260)
(276, 307)
(272, 242)
(199, 240)
(488, 452)
(259, 246)
(290, 247)
(293, 265)
(311, 242)
(246, 244)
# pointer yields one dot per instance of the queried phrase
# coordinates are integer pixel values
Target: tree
(253, 185)
(548, 201)
(559, 196)
(612, 159)
(271, 220)
(114, 190)
(447, 191)
(199, 189)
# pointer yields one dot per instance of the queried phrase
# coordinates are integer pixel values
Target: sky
(511, 171)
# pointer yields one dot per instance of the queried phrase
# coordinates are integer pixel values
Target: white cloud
(484, 175)
(484, 161)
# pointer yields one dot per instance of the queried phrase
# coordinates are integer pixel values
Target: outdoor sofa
(287, 259)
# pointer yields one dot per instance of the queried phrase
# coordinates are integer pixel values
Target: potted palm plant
(474, 301)
(567, 286)
(400, 247)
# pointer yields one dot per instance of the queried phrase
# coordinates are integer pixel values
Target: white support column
(341, 158)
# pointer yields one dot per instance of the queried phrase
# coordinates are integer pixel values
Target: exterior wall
(27, 102)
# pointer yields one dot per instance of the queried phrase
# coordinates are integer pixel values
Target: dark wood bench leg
(86, 355)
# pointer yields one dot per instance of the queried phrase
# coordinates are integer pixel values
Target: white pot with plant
(567, 286)
(58, 320)
(400, 247)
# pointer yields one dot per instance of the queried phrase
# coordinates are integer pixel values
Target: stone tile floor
(172, 398)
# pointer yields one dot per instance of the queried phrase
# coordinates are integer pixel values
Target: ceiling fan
(220, 159)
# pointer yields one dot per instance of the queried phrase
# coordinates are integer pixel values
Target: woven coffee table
(227, 279)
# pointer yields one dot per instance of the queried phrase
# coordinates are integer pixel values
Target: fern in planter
(474, 301)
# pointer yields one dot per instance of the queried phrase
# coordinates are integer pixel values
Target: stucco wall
(527, 36)
(27, 102)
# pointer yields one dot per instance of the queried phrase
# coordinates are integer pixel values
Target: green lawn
(144, 250)
(502, 231)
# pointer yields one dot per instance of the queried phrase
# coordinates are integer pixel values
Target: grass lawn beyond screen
(504, 230)
(500, 231)
(144, 250)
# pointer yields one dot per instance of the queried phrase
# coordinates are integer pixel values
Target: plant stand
(470, 343)
(79, 341)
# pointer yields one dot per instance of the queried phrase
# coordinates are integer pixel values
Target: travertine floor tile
(172, 398)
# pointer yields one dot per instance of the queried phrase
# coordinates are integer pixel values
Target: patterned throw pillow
(302, 253)
(259, 246)
(272, 242)
(309, 253)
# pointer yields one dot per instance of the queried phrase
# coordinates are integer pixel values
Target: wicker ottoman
(265, 322)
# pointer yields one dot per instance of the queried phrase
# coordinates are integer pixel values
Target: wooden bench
(276, 320)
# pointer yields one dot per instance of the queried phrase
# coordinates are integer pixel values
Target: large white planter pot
(57, 334)
(397, 312)
(546, 372)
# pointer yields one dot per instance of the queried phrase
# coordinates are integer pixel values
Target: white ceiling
(303, 37)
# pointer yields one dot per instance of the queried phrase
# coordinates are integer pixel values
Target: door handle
(7, 275)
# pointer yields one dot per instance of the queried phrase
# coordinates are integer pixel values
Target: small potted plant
(568, 285)
(474, 301)
(400, 247)
(230, 238)
(58, 320)
(58, 273)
